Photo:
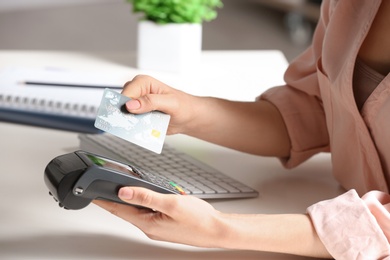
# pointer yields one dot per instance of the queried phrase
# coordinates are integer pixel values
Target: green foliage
(177, 11)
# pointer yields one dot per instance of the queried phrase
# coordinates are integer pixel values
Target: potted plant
(170, 32)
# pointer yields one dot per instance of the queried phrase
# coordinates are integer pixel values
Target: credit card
(147, 130)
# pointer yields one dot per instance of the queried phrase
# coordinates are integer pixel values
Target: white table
(32, 226)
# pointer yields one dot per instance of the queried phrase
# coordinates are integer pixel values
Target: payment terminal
(77, 178)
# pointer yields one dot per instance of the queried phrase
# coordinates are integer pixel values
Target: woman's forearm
(253, 127)
(287, 233)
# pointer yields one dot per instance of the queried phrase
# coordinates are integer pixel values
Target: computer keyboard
(195, 177)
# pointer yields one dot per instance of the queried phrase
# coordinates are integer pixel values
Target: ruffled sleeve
(352, 227)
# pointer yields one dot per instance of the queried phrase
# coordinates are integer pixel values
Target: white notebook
(25, 99)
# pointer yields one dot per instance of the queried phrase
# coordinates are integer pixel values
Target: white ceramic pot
(169, 47)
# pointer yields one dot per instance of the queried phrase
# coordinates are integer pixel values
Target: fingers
(141, 85)
(149, 94)
(120, 210)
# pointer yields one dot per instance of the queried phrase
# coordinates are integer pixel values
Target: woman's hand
(149, 94)
(252, 127)
(189, 220)
(174, 218)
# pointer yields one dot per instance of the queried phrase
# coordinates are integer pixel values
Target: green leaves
(177, 11)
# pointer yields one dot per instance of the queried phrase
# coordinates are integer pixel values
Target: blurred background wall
(110, 25)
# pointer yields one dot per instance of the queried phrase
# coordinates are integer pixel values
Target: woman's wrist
(202, 117)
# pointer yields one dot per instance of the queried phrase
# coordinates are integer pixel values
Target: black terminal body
(75, 179)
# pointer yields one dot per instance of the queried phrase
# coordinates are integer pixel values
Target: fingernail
(133, 104)
(125, 193)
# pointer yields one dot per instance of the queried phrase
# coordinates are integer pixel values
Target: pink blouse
(320, 112)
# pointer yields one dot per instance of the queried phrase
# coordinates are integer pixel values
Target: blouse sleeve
(299, 101)
(352, 227)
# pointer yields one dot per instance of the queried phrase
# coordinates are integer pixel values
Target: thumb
(143, 197)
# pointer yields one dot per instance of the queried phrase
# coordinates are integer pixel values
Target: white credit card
(147, 130)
